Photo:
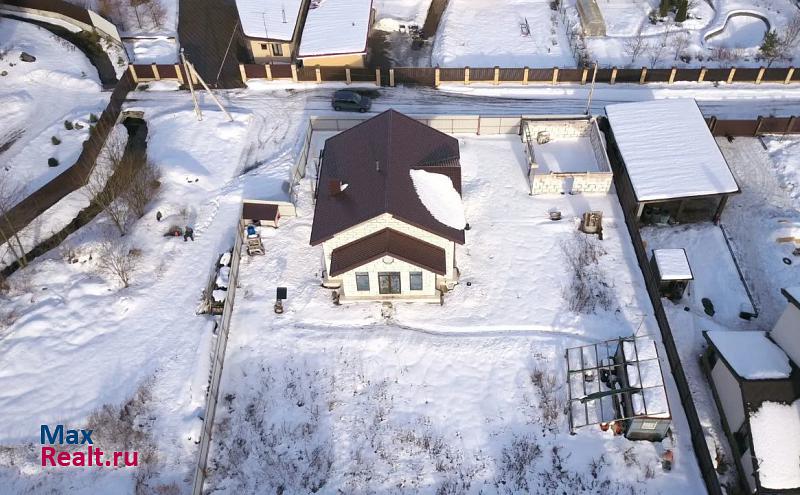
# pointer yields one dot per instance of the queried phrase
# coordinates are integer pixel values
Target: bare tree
(142, 186)
(136, 4)
(634, 46)
(791, 34)
(10, 195)
(116, 260)
(103, 188)
(158, 12)
(655, 53)
(680, 42)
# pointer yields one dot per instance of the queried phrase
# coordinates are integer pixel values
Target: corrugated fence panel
(167, 71)
(540, 75)
(570, 75)
(774, 125)
(281, 71)
(690, 75)
(735, 127)
(717, 75)
(306, 74)
(333, 73)
(362, 75)
(745, 75)
(775, 74)
(512, 75)
(481, 74)
(658, 75)
(603, 76)
(451, 75)
(415, 75)
(629, 75)
(144, 72)
(255, 71)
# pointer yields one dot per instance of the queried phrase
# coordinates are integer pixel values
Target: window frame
(411, 276)
(276, 52)
(390, 276)
(362, 276)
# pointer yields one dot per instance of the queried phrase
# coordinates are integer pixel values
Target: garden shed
(673, 170)
(671, 266)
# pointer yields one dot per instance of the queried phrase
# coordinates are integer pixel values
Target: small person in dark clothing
(158, 216)
(188, 233)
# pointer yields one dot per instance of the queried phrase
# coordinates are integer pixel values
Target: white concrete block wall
(388, 221)
(350, 290)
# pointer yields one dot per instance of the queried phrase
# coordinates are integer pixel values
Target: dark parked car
(345, 99)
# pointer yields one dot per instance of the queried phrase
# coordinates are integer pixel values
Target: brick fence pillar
(643, 75)
(584, 75)
(672, 75)
(391, 77)
(789, 76)
(525, 73)
(466, 76)
(496, 75)
(181, 80)
(318, 73)
(155, 72)
(132, 70)
(437, 77)
(242, 73)
(613, 75)
(294, 73)
(731, 74)
(555, 75)
(702, 74)
(378, 77)
(347, 76)
(269, 72)
(760, 75)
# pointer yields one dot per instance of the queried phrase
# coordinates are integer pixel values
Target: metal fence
(625, 196)
(434, 76)
(216, 367)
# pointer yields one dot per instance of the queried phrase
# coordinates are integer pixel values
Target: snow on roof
(775, 429)
(269, 19)
(751, 354)
(336, 26)
(441, 199)
(668, 150)
(672, 264)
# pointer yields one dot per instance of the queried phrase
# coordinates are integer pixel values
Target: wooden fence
(435, 76)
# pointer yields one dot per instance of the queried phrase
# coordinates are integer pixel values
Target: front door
(389, 282)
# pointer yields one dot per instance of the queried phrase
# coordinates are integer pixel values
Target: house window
(389, 282)
(362, 281)
(264, 46)
(277, 49)
(415, 281)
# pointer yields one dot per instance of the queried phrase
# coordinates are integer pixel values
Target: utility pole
(591, 91)
(188, 71)
(213, 96)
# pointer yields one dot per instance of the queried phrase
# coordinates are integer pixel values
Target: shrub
(55, 140)
(52, 162)
(92, 118)
(68, 125)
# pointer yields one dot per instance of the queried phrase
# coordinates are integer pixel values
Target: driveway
(204, 30)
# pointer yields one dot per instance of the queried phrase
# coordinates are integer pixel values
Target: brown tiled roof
(374, 159)
(388, 242)
(259, 211)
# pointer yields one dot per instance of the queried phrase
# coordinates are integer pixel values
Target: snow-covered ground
(73, 340)
(479, 34)
(36, 99)
(435, 397)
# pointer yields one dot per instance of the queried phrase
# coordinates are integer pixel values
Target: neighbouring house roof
(751, 354)
(792, 294)
(375, 159)
(269, 19)
(259, 211)
(775, 430)
(388, 242)
(668, 150)
(336, 27)
(672, 264)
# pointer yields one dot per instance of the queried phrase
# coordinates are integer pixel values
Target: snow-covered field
(36, 99)
(435, 399)
(479, 34)
(71, 340)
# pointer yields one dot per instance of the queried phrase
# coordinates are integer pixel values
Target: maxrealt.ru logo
(92, 456)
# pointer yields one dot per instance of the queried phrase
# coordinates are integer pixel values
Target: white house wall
(730, 395)
(373, 268)
(787, 332)
(388, 221)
